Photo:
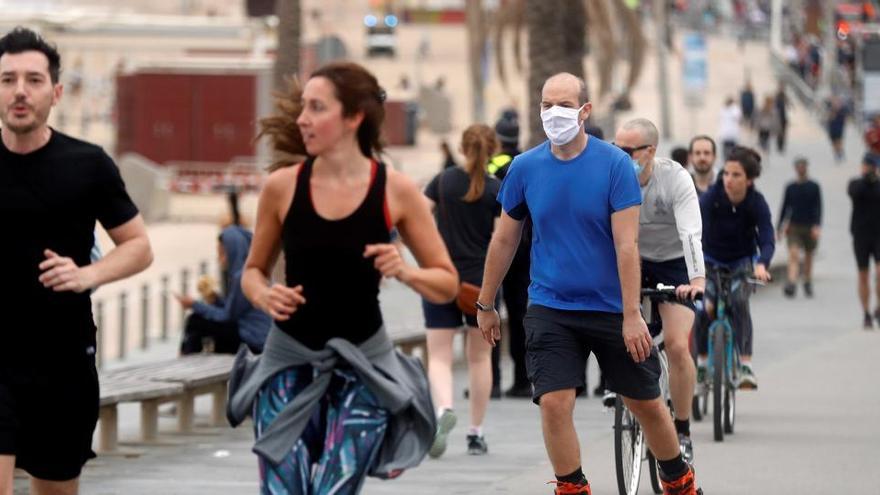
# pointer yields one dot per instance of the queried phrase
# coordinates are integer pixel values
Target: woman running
(331, 400)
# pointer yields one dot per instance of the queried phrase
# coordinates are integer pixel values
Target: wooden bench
(184, 378)
(180, 379)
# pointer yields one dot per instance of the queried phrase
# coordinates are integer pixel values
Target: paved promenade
(811, 428)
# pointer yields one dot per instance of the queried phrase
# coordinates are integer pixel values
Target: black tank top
(326, 257)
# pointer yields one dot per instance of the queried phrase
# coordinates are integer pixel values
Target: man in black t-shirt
(865, 228)
(53, 188)
(800, 219)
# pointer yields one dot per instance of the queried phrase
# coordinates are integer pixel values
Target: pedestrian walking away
(835, 123)
(515, 287)
(55, 188)
(583, 197)
(465, 208)
(736, 228)
(800, 220)
(728, 126)
(747, 104)
(782, 105)
(671, 250)
(330, 398)
(701, 154)
(768, 124)
(864, 192)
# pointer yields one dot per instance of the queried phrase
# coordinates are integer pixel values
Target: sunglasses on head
(631, 151)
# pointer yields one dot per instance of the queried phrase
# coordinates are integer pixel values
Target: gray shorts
(558, 343)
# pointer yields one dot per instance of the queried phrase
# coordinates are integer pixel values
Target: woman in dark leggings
(331, 216)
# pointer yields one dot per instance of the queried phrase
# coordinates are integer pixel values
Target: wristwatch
(482, 307)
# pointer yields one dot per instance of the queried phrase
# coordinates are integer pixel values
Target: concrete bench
(149, 394)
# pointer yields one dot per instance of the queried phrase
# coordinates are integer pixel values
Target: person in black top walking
(782, 104)
(865, 228)
(800, 220)
(466, 210)
(53, 188)
(515, 287)
(332, 216)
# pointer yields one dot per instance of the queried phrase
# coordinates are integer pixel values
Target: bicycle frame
(722, 321)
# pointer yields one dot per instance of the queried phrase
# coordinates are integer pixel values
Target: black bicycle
(630, 447)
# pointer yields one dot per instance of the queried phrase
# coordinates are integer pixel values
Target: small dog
(207, 288)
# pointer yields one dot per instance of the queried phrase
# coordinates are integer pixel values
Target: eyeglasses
(631, 151)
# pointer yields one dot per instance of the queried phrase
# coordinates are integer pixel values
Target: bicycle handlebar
(665, 293)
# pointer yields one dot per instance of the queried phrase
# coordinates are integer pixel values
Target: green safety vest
(498, 162)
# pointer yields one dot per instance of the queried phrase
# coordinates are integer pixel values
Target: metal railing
(158, 322)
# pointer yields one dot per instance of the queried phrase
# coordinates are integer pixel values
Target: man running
(54, 189)
(800, 219)
(670, 232)
(583, 197)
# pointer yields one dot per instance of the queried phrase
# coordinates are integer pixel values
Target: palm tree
(476, 33)
(287, 51)
(557, 32)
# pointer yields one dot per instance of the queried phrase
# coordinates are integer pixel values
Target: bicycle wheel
(730, 397)
(628, 446)
(718, 383)
(654, 474)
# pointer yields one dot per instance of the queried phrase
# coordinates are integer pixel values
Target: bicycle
(630, 447)
(723, 365)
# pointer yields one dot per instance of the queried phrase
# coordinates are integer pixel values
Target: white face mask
(561, 124)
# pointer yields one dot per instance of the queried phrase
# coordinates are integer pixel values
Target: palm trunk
(287, 52)
(557, 32)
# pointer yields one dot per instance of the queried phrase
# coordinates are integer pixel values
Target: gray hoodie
(398, 382)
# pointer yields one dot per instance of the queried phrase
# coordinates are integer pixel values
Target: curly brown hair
(358, 91)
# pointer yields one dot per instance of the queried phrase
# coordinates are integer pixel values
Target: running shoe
(702, 372)
(686, 484)
(477, 445)
(687, 448)
(445, 424)
(747, 379)
(808, 289)
(789, 290)
(868, 322)
(877, 315)
(567, 488)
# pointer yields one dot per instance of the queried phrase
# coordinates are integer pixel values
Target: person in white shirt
(670, 245)
(728, 125)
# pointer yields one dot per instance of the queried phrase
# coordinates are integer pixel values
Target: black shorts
(448, 315)
(48, 417)
(672, 272)
(559, 342)
(865, 249)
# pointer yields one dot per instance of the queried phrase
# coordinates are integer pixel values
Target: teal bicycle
(724, 362)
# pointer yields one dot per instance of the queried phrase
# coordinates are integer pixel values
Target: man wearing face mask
(583, 197)
(670, 233)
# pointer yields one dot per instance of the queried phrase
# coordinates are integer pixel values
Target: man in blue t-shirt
(583, 197)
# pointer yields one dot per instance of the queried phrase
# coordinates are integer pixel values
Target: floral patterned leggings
(337, 447)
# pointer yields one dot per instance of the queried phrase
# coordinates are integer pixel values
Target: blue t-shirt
(574, 263)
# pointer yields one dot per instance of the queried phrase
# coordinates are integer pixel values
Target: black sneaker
(477, 445)
(789, 290)
(687, 448)
(808, 289)
(877, 315)
(868, 322)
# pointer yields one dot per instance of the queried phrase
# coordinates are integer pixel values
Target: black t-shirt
(50, 199)
(466, 227)
(865, 195)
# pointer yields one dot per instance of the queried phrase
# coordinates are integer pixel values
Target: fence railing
(118, 337)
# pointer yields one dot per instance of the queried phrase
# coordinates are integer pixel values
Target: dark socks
(673, 468)
(577, 477)
(683, 426)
